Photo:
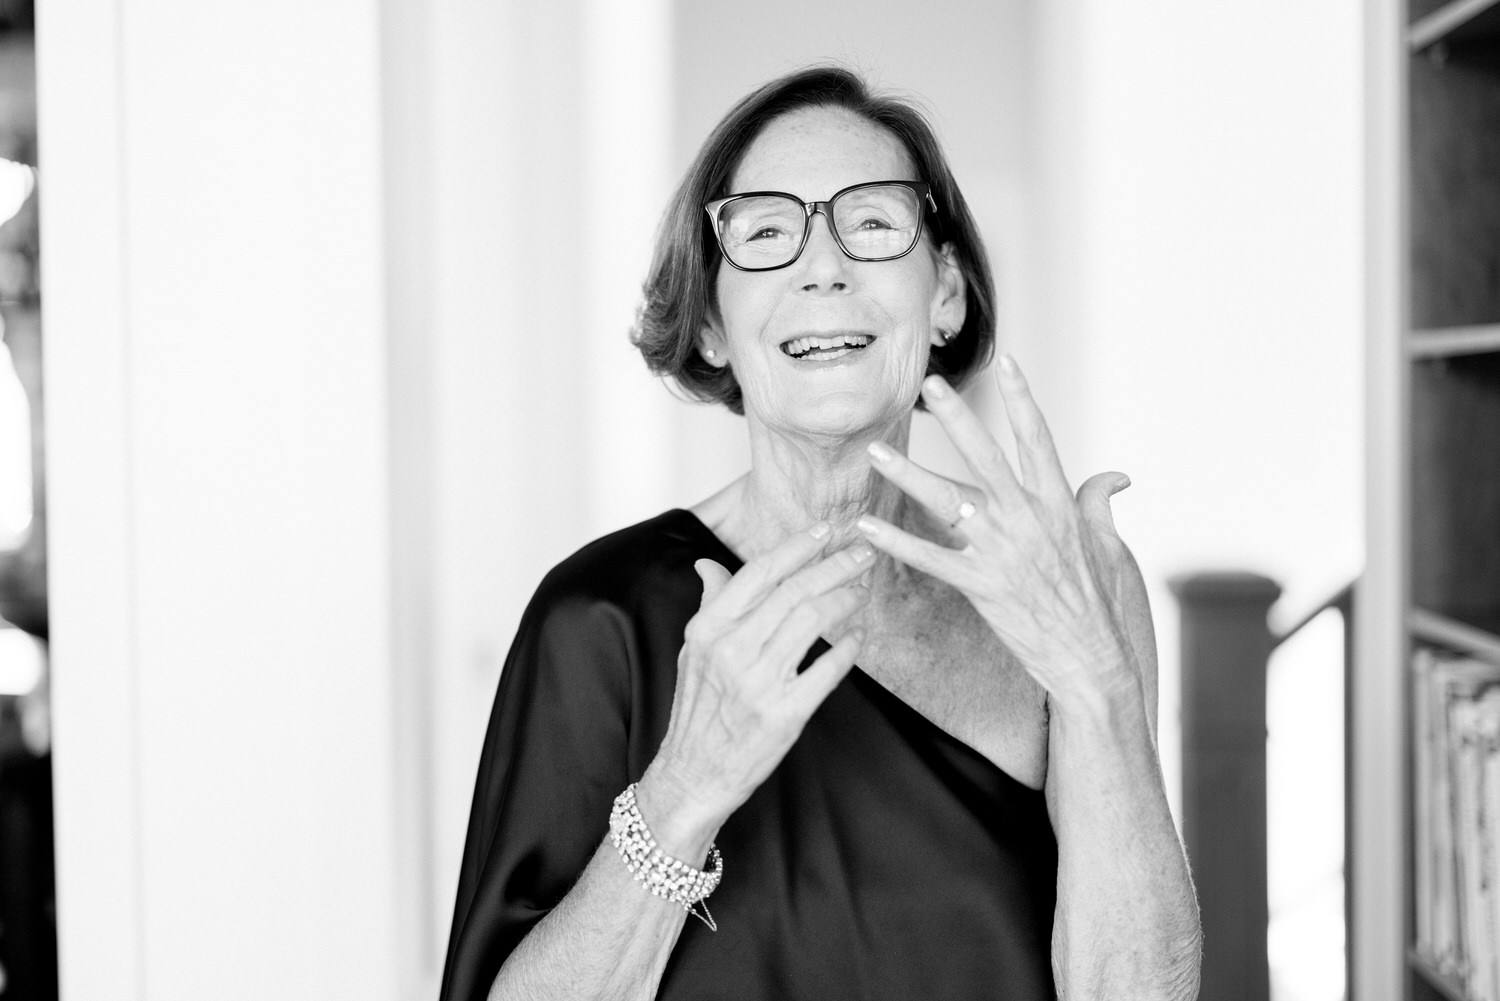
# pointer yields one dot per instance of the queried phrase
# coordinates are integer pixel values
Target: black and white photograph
(670, 500)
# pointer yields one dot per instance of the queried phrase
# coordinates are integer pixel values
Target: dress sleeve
(554, 758)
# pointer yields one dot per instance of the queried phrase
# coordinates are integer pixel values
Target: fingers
(928, 557)
(940, 495)
(1040, 467)
(777, 605)
(787, 645)
(760, 576)
(802, 587)
(1093, 500)
(714, 578)
(972, 439)
(819, 680)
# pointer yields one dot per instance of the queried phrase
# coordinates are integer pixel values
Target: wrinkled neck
(796, 481)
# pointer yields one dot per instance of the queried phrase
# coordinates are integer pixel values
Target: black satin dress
(883, 859)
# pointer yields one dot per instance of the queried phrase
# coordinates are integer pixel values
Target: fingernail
(820, 530)
(1007, 363)
(867, 525)
(936, 387)
(861, 554)
(1120, 484)
(878, 451)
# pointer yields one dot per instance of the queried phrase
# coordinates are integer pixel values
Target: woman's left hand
(1045, 568)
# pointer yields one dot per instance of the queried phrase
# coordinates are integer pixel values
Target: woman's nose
(823, 264)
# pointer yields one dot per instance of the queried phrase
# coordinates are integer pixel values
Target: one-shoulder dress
(882, 859)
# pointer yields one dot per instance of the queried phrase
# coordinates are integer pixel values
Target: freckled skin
(813, 153)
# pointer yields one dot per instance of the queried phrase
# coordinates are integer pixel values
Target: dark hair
(679, 291)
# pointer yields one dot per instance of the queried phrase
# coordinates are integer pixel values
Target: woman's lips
(824, 347)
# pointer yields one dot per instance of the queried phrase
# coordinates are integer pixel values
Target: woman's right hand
(740, 703)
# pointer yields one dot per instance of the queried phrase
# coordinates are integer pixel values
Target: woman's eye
(767, 233)
(873, 222)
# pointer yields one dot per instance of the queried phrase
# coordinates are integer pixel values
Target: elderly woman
(847, 728)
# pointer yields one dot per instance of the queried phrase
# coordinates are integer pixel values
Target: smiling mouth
(826, 348)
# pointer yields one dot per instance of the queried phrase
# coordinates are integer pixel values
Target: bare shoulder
(717, 508)
(724, 512)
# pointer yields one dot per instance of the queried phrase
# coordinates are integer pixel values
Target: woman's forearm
(609, 937)
(1127, 918)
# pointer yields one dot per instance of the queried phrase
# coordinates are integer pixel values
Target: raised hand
(740, 703)
(1043, 566)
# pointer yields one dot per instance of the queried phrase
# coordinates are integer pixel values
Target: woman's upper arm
(554, 757)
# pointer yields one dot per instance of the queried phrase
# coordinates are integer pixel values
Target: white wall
(1203, 172)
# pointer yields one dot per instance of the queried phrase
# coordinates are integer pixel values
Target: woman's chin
(835, 414)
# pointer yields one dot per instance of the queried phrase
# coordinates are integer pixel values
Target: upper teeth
(802, 345)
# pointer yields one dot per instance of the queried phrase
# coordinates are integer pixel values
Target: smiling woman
(681, 293)
(819, 290)
(977, 807)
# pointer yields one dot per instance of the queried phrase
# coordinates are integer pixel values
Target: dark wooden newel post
(1225, 646)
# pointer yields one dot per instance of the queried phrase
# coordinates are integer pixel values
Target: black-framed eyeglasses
(874, 221)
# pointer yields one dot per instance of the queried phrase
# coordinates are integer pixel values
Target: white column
(221, 575)
(632, 453)
(543, 149)
(1380, 811)
(95, 668)
(502, 276)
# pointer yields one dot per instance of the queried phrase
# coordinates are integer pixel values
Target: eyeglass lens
(873, 223)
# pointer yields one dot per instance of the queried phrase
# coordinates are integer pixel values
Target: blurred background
(335, 297)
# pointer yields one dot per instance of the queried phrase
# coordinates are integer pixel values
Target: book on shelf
(1456, 786)
(1491, 799)
(1470, 720)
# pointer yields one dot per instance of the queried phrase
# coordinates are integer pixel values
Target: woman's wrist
(682, 824)
(660, 872)
(1113, 703)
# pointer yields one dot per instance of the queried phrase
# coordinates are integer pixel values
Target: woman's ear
(712, 344)
(950, 301)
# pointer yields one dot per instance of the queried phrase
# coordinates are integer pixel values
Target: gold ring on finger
(966, 511)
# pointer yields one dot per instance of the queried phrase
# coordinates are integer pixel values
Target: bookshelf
(1431, 611)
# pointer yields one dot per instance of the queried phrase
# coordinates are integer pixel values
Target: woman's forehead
(813, 152)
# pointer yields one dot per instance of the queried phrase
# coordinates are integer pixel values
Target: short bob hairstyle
(679, 292)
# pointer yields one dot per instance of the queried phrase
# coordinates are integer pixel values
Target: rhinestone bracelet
(662, 874)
